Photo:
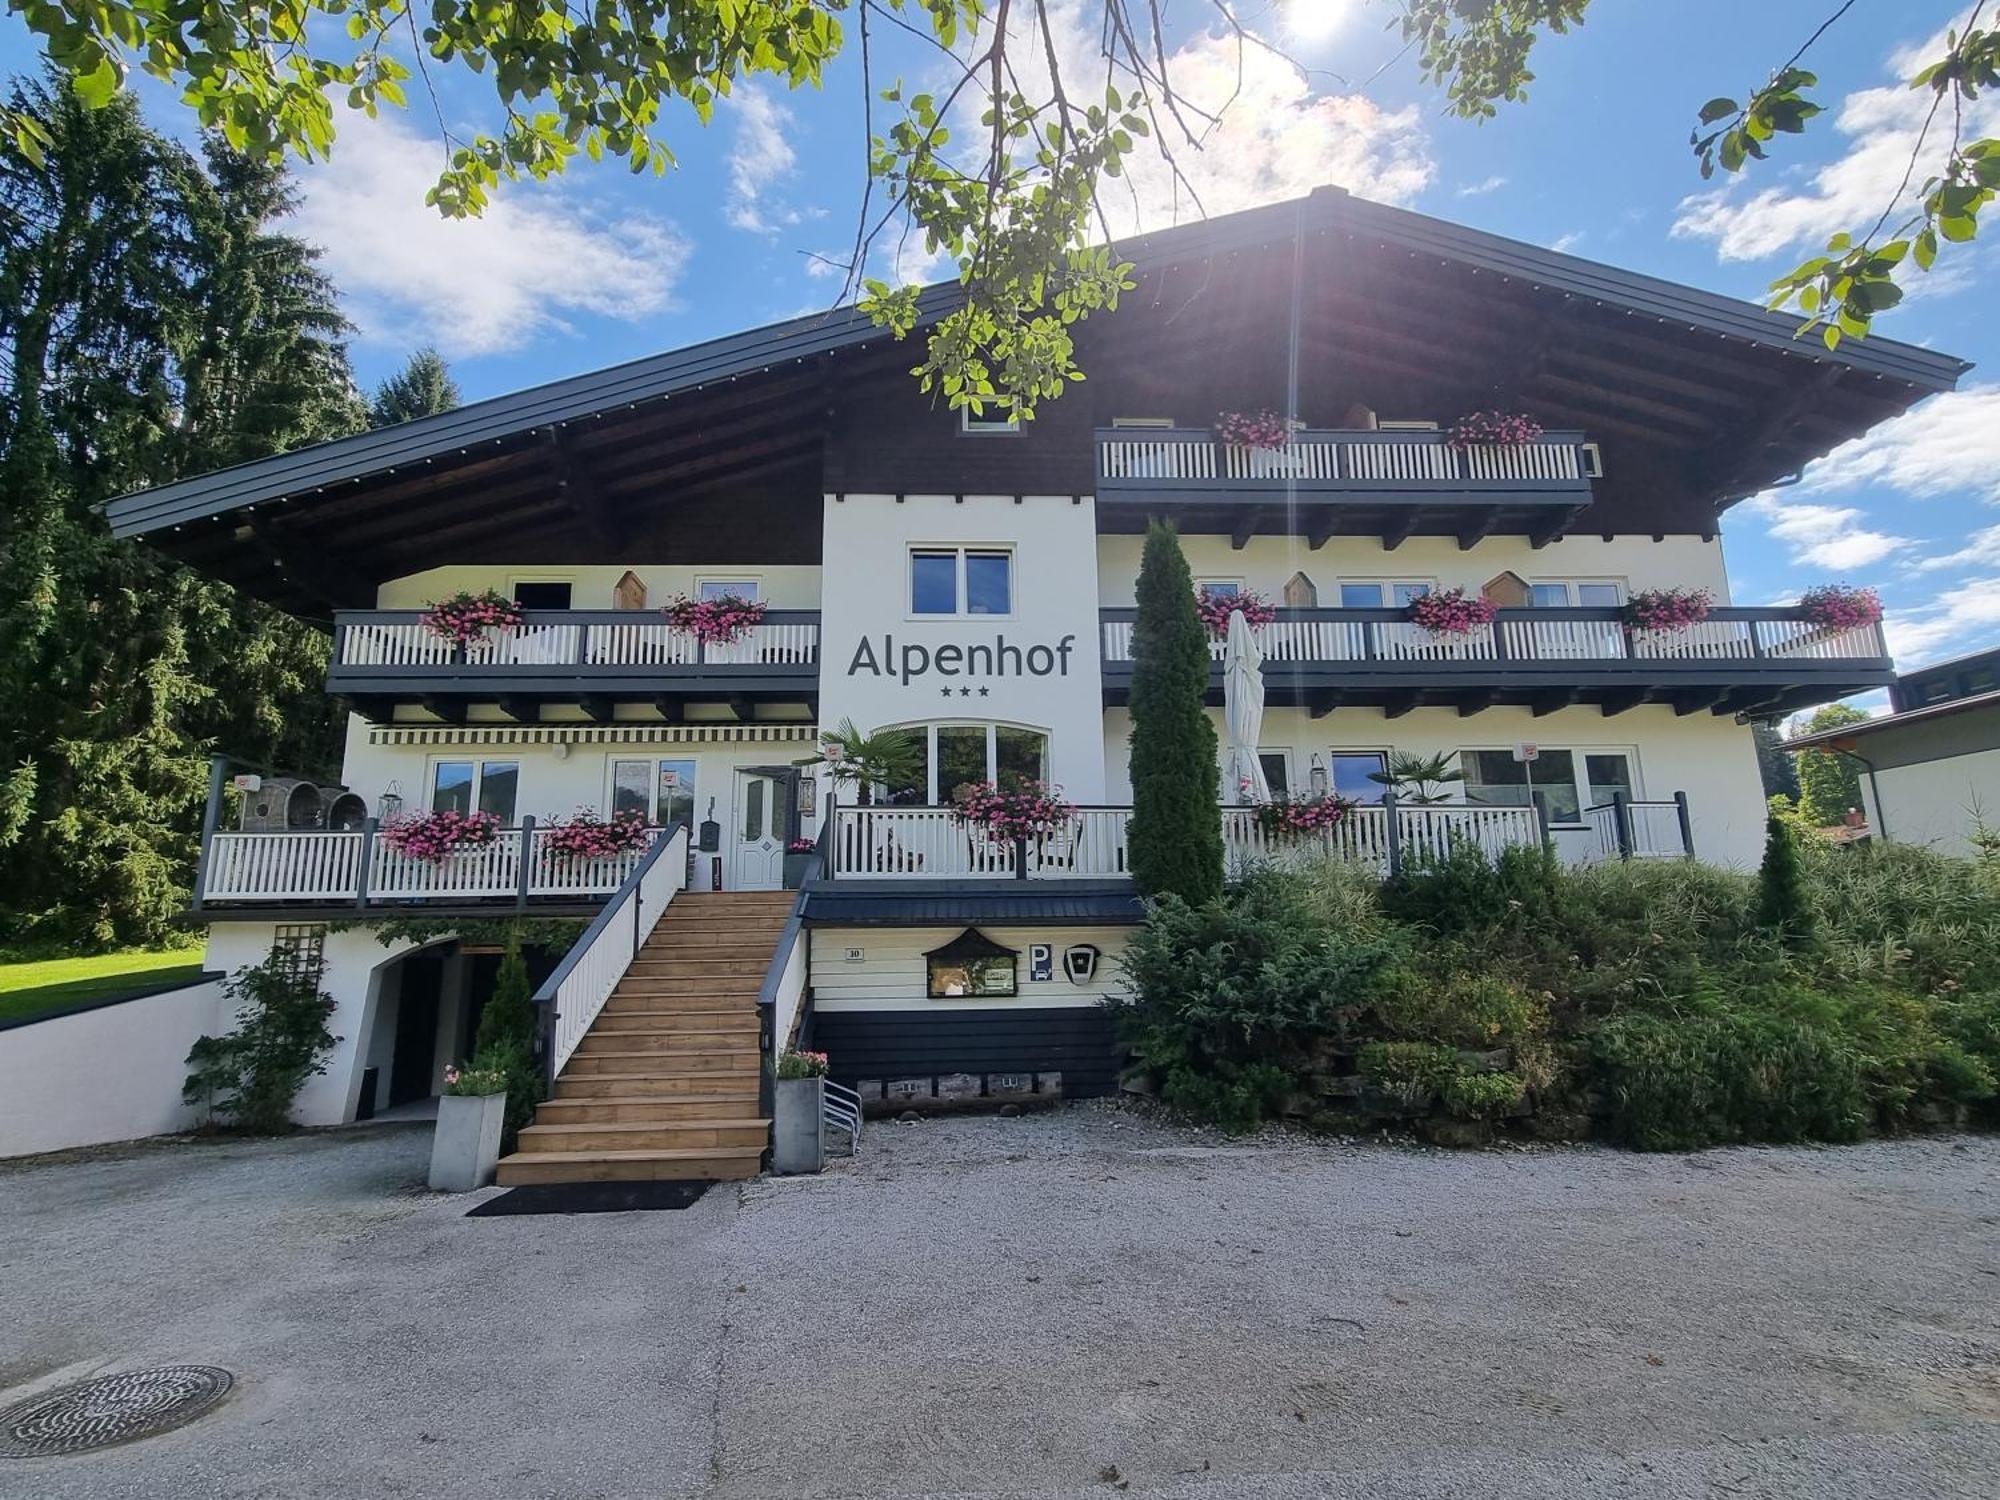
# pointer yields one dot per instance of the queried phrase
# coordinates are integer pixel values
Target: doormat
(590, 1198)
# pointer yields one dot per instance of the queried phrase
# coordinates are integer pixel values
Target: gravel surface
(1057, 1305)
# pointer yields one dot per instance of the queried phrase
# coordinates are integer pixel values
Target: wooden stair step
(718, 1165)
(662, 1064)
(681, 1084)
(689, 1018)
(647, 1135)
(634, 1108)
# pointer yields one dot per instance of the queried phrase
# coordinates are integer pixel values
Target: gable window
(970, 965)
(961, 581)
(543, 595)
(1387, 594)
(987, 424)
(488, 786)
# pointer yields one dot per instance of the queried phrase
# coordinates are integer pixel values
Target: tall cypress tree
(1176, 839)
(1784, 906)
(158, 327)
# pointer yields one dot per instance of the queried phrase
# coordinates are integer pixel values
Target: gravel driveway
(1056, 1305)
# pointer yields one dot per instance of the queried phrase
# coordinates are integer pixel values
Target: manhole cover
(116, 1409)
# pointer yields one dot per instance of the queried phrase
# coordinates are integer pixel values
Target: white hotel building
(973, 583)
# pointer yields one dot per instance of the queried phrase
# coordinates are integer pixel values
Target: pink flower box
(1451, 612)
(467, 617)
(713, 621)
(1215, 606)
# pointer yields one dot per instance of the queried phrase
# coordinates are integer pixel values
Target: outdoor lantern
(1317, 776)
(390, 802)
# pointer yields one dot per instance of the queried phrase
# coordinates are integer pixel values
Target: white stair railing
(573, 995)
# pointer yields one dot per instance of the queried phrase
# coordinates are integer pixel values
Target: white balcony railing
(310, 866)
(1331, 460)
(1363, 837)
(392, 642)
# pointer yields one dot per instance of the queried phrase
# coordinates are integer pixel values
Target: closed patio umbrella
(1243, 712)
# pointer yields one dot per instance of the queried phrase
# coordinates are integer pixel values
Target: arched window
(952, 755)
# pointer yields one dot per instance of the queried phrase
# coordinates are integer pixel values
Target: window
(542, 595)
(661, 790)
(488, 786)
(1386, 424)
(1566, 593)
(1389, 594)
(987, 424)
(727, 588)
(971, 964)
(1222, 588)
(941, 577)
(951, 756)
(1165, 424)
(1551, 781)
(1277, 771)
(1349, 772)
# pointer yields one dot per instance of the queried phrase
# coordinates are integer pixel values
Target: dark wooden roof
(720, 452)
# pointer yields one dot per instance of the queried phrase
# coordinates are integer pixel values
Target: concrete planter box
(795, 870)
(466, 1149)
(798, 1125)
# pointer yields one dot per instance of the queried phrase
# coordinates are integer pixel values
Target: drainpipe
(1874, 785)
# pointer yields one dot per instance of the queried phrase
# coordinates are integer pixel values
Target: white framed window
(488, 786)
(706, 589)
(1576, 593)
(1351, 773)
(986, 425)
(1224, 588)
(956, 754)
(1561, 782)
(1385, 424)
(966, 580)
(1161, 424)
(1277, 765)
(1382, 593)
(660, 787)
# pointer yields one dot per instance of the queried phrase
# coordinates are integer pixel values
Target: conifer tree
(1176, 838)
(422, 388)
(1784, 906)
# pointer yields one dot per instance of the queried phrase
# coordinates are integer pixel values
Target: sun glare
(1314, 20)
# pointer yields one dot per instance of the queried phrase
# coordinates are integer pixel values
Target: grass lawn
(44, 986)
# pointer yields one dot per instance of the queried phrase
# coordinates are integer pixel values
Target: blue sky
(604, 266)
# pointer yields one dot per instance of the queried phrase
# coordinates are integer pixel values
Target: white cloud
(472, 286)
(760, 158)
(1825, 536)
(1981, 550)
(1492, 184)
(1950, 444)
(1562, 244)
(1959, 620)
(1882, 127)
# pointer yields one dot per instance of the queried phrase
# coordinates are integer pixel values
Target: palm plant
(1425, 780)
(888, 758)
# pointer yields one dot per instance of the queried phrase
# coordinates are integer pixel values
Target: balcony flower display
(436, 837)
(715, 621)
(1291, 817)
(1840, 607)
(1451, 612)
(1215, 606)
(1663, 610)
(1494, 429)
(1018, 809)
(584, 835)
(467, 617)
(1253, 429)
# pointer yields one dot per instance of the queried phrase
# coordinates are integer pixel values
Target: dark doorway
(415, 1061)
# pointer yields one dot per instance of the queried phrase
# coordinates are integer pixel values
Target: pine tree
(157, 328)
(1176, 838)
(1784, 906)
(422, 388)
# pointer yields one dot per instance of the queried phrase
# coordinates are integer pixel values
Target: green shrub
(250, 1078)
(1463, 891)
(1783, 907)
(1410, 1073)
(1461, 1006)
(506, 1042)
(1484, 1096)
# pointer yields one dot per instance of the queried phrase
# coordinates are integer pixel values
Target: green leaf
(1717, 109)
(1925, 250)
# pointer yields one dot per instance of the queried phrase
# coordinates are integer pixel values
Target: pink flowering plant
(1494, 429)
(475, 1077)
(435, 837)
(795, 1063)
(1215, 606)
(1019, 808)
(1253, 429)
(1663, 610)
(715, 621)
(1451, 612)
(467, 617)
(584, 835)
(801, 846)
(1291, 817)
(1840, 607)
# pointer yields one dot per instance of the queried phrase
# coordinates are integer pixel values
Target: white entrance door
(760, 847)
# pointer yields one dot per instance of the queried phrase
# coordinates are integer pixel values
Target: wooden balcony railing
(1190, 462)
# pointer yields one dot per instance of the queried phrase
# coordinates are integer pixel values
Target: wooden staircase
(664, 1085)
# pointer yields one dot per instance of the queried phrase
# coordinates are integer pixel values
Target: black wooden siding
(1075, 1041)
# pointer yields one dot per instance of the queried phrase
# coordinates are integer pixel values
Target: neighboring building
(1930, 769)
(974, 583)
